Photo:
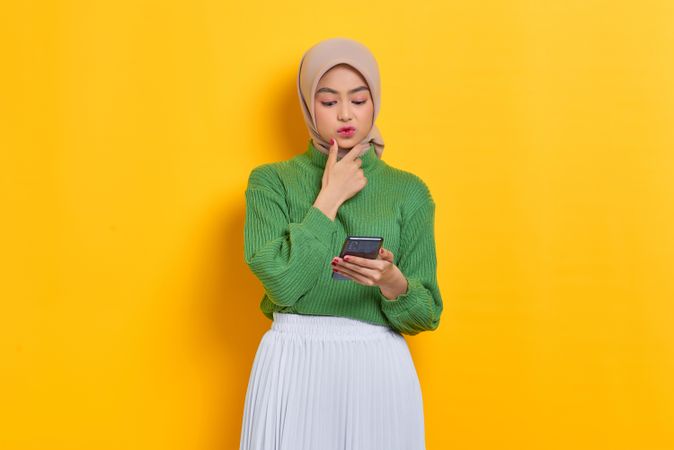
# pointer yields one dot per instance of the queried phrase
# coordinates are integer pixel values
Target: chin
(349, 143)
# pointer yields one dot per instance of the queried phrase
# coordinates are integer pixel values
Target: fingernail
(332, 141)
(381, 250)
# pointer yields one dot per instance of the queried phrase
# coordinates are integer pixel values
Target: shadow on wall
(229, 321)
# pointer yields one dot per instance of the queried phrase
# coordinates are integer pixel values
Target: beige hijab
(322, 57)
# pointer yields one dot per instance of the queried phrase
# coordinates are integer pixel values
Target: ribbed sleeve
(287, 257)
(419, 308)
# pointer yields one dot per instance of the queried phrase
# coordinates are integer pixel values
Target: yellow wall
(543, 128)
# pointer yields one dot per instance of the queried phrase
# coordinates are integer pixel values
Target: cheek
(367, 116)
(321, 116)
(368, 112)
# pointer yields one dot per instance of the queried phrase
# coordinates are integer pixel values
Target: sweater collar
(369, 159)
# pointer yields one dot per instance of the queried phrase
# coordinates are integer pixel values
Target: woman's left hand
(380, 272)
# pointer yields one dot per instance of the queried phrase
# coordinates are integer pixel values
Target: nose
(344, 112)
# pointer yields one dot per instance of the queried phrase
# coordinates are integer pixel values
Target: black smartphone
(362, 246)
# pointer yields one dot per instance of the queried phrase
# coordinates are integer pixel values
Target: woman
(334, 371)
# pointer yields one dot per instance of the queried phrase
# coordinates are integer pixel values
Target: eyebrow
(332, 91)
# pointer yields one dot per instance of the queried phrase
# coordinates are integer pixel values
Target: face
(343, 100)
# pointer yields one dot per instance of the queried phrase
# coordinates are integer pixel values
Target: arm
(287, 257)
(419, 308)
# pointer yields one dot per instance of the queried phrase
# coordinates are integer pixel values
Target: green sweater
(289, 243)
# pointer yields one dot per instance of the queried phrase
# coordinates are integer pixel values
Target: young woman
(334, 370)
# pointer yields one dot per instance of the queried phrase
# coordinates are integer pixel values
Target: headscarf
(320, 58)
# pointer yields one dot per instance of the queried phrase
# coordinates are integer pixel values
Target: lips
(346, 133)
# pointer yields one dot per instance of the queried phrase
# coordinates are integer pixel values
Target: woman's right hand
(344, 178)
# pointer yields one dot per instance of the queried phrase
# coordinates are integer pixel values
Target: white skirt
(329, 383)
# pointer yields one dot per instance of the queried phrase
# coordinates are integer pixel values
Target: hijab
(320, 58)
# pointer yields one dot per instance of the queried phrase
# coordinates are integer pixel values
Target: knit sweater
(289, 243)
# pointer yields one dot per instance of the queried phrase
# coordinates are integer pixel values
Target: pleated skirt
(332, 383)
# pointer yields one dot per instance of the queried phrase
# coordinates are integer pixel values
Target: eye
(330, 103)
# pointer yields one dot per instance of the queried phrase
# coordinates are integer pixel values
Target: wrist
(328, 203)
(395, 288)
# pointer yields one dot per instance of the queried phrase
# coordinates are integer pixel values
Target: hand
(344, 178)
(380, 272)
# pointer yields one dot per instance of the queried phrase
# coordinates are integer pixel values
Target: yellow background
(544, 129)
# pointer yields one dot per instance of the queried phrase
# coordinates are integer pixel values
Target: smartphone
(362, 246)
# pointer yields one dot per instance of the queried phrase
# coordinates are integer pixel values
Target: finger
(342, 273)
(363, 262)
(332, 153)
(386, 254)
(356, 151)
(355, 276)
(354, 269)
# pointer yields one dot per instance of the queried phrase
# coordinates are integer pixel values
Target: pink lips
(346, 131)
